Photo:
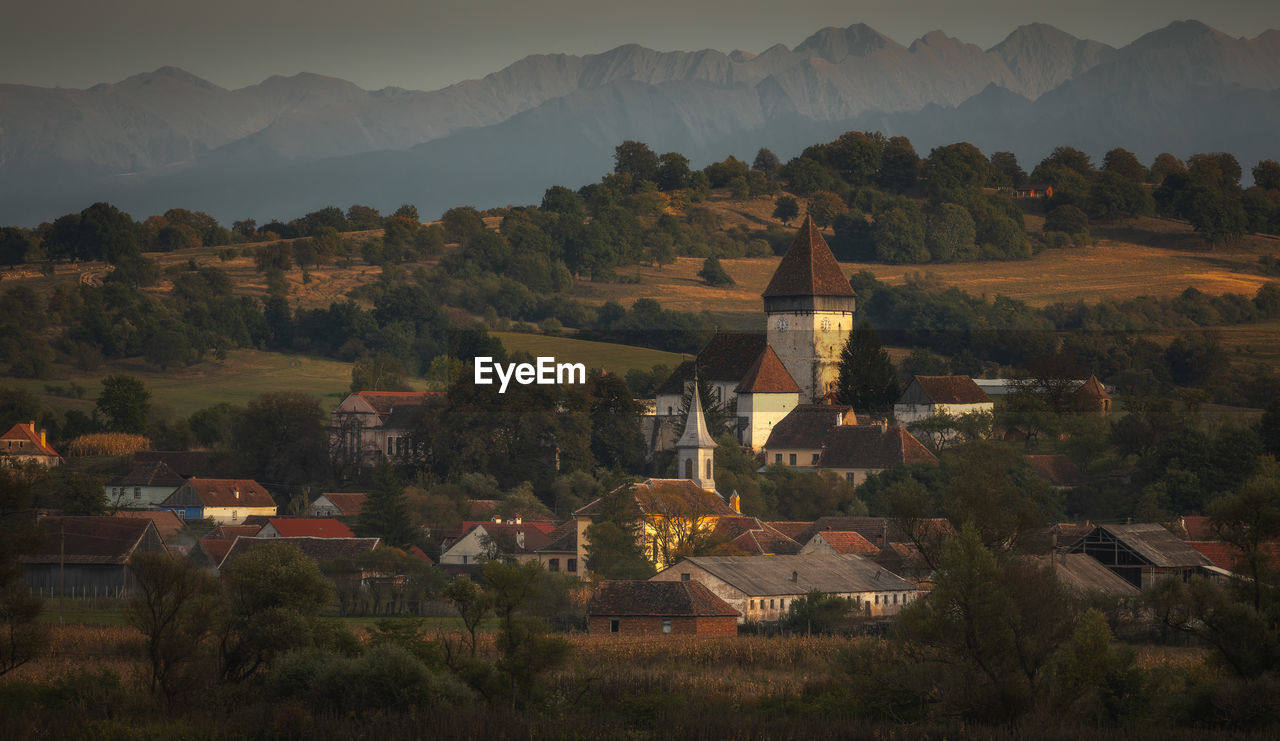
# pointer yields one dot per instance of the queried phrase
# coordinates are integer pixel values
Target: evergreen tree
(867, 381)
(384, 514)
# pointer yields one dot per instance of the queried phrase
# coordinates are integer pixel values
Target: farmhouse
(854, 452)
(22, 444)
(144, 486)
(928, 396)
(1141, 553)
(808, 307)
(561, 554)
(1033, 190)
(797, 439)
(762, 589)
(506, 541)
(227, 501)
(659, 607)
(88, 556)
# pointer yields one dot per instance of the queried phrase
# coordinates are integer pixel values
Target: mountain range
(293, 144)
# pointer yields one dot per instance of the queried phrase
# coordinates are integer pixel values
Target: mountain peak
(1035, 33)
(175, 74)
(1176, 34)
(836, 44)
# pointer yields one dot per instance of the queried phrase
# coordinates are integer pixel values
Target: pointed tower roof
(695, 426)
(768, 376)
(1093, 388)
(808, 268)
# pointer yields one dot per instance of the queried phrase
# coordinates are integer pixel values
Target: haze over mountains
(289, 145)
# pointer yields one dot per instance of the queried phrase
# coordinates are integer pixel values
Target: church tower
(695, 450)
(809, 308)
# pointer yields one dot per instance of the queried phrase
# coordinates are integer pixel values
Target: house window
(770, 604)
(895, 599)
(572, 568)
(848, 476)
(815, 459)
(753, 604)
(777, 457)
(668, 411)
(792, 459)
(615, 625)
(708, 475)
(877, 599)
(684, 576)
(137, 492)
(181, 513)
(688, 468)
(553, 564)
(464, 559)
(391, 446)
(234, 515)
(666, 625)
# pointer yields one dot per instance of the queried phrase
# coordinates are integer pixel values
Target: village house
(797, 439)
(659, 608)
(228, 501)
(88, 556)
(561, 554)
(23, 444)
(929, 396)
(342, 559)
(839, 541)
(144, 486)
(514, 540)
(185, 463)
(808, 306)
(855, 452)
(335, 504)
(167, 523)
(1033, 190)
(299, 527)
(371, 426)
(1141, 553)
(763, 589)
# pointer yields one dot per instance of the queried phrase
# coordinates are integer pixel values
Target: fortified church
(760, 378)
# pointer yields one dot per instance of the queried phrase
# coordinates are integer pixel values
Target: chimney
(42, 437)
(497, 519)
(735, 502)
(519, 520)
(236, 491)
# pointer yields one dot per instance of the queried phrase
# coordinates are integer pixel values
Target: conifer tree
(384, 515)
(867, 380)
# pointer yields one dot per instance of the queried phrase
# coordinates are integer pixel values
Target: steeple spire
(695, 449)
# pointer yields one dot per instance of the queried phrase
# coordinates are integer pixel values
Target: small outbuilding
(659, 607)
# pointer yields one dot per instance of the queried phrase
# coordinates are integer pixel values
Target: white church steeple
(695, 449)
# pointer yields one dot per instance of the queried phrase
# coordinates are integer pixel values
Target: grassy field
(614, 358)
(241, 377)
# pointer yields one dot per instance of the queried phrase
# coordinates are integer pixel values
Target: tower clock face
(826, 325)
(781, 324)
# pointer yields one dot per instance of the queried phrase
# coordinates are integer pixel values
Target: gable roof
(318, 527)
(152, 473)
(1092, 388)
(512, 539)
(231, 532)
(167, 523)
(1156, 544)
(657, 599)
(872, 447)
(349, 504)
(1085, 574)
(806, 426)
(219, 493)
(768, 376)
(564, 539)
(766, 542)
(729, 355)
(951, 390)
(316, 549)
(790, 528)
(1225, 556)
(832, 573)
(808, 268)
(89, 540)
(22, 439)
(846, 541)
(185, 463)
(669, 497)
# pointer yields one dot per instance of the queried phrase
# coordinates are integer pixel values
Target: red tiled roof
(766, 542)
(872, 447)
(509, 536)
(154, 473)
(808, 268)
(419, 554)
(952, 390)
(657, 599)
(167, 523)
(847, 541)
(348, 504)
(1056, 468)
(729, 355)
(217, 548)
(22, 439)
(1197, 527)
(316, 527)
(768, 376)
(1093, 389)
(564, 538)
(805, 426)
(791, 529)
(220, 493)
(1224, 555)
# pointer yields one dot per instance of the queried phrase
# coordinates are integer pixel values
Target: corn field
(107, 443)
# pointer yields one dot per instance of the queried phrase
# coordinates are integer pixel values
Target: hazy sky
(427, 44)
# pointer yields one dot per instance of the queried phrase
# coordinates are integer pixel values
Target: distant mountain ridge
(169, 134)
